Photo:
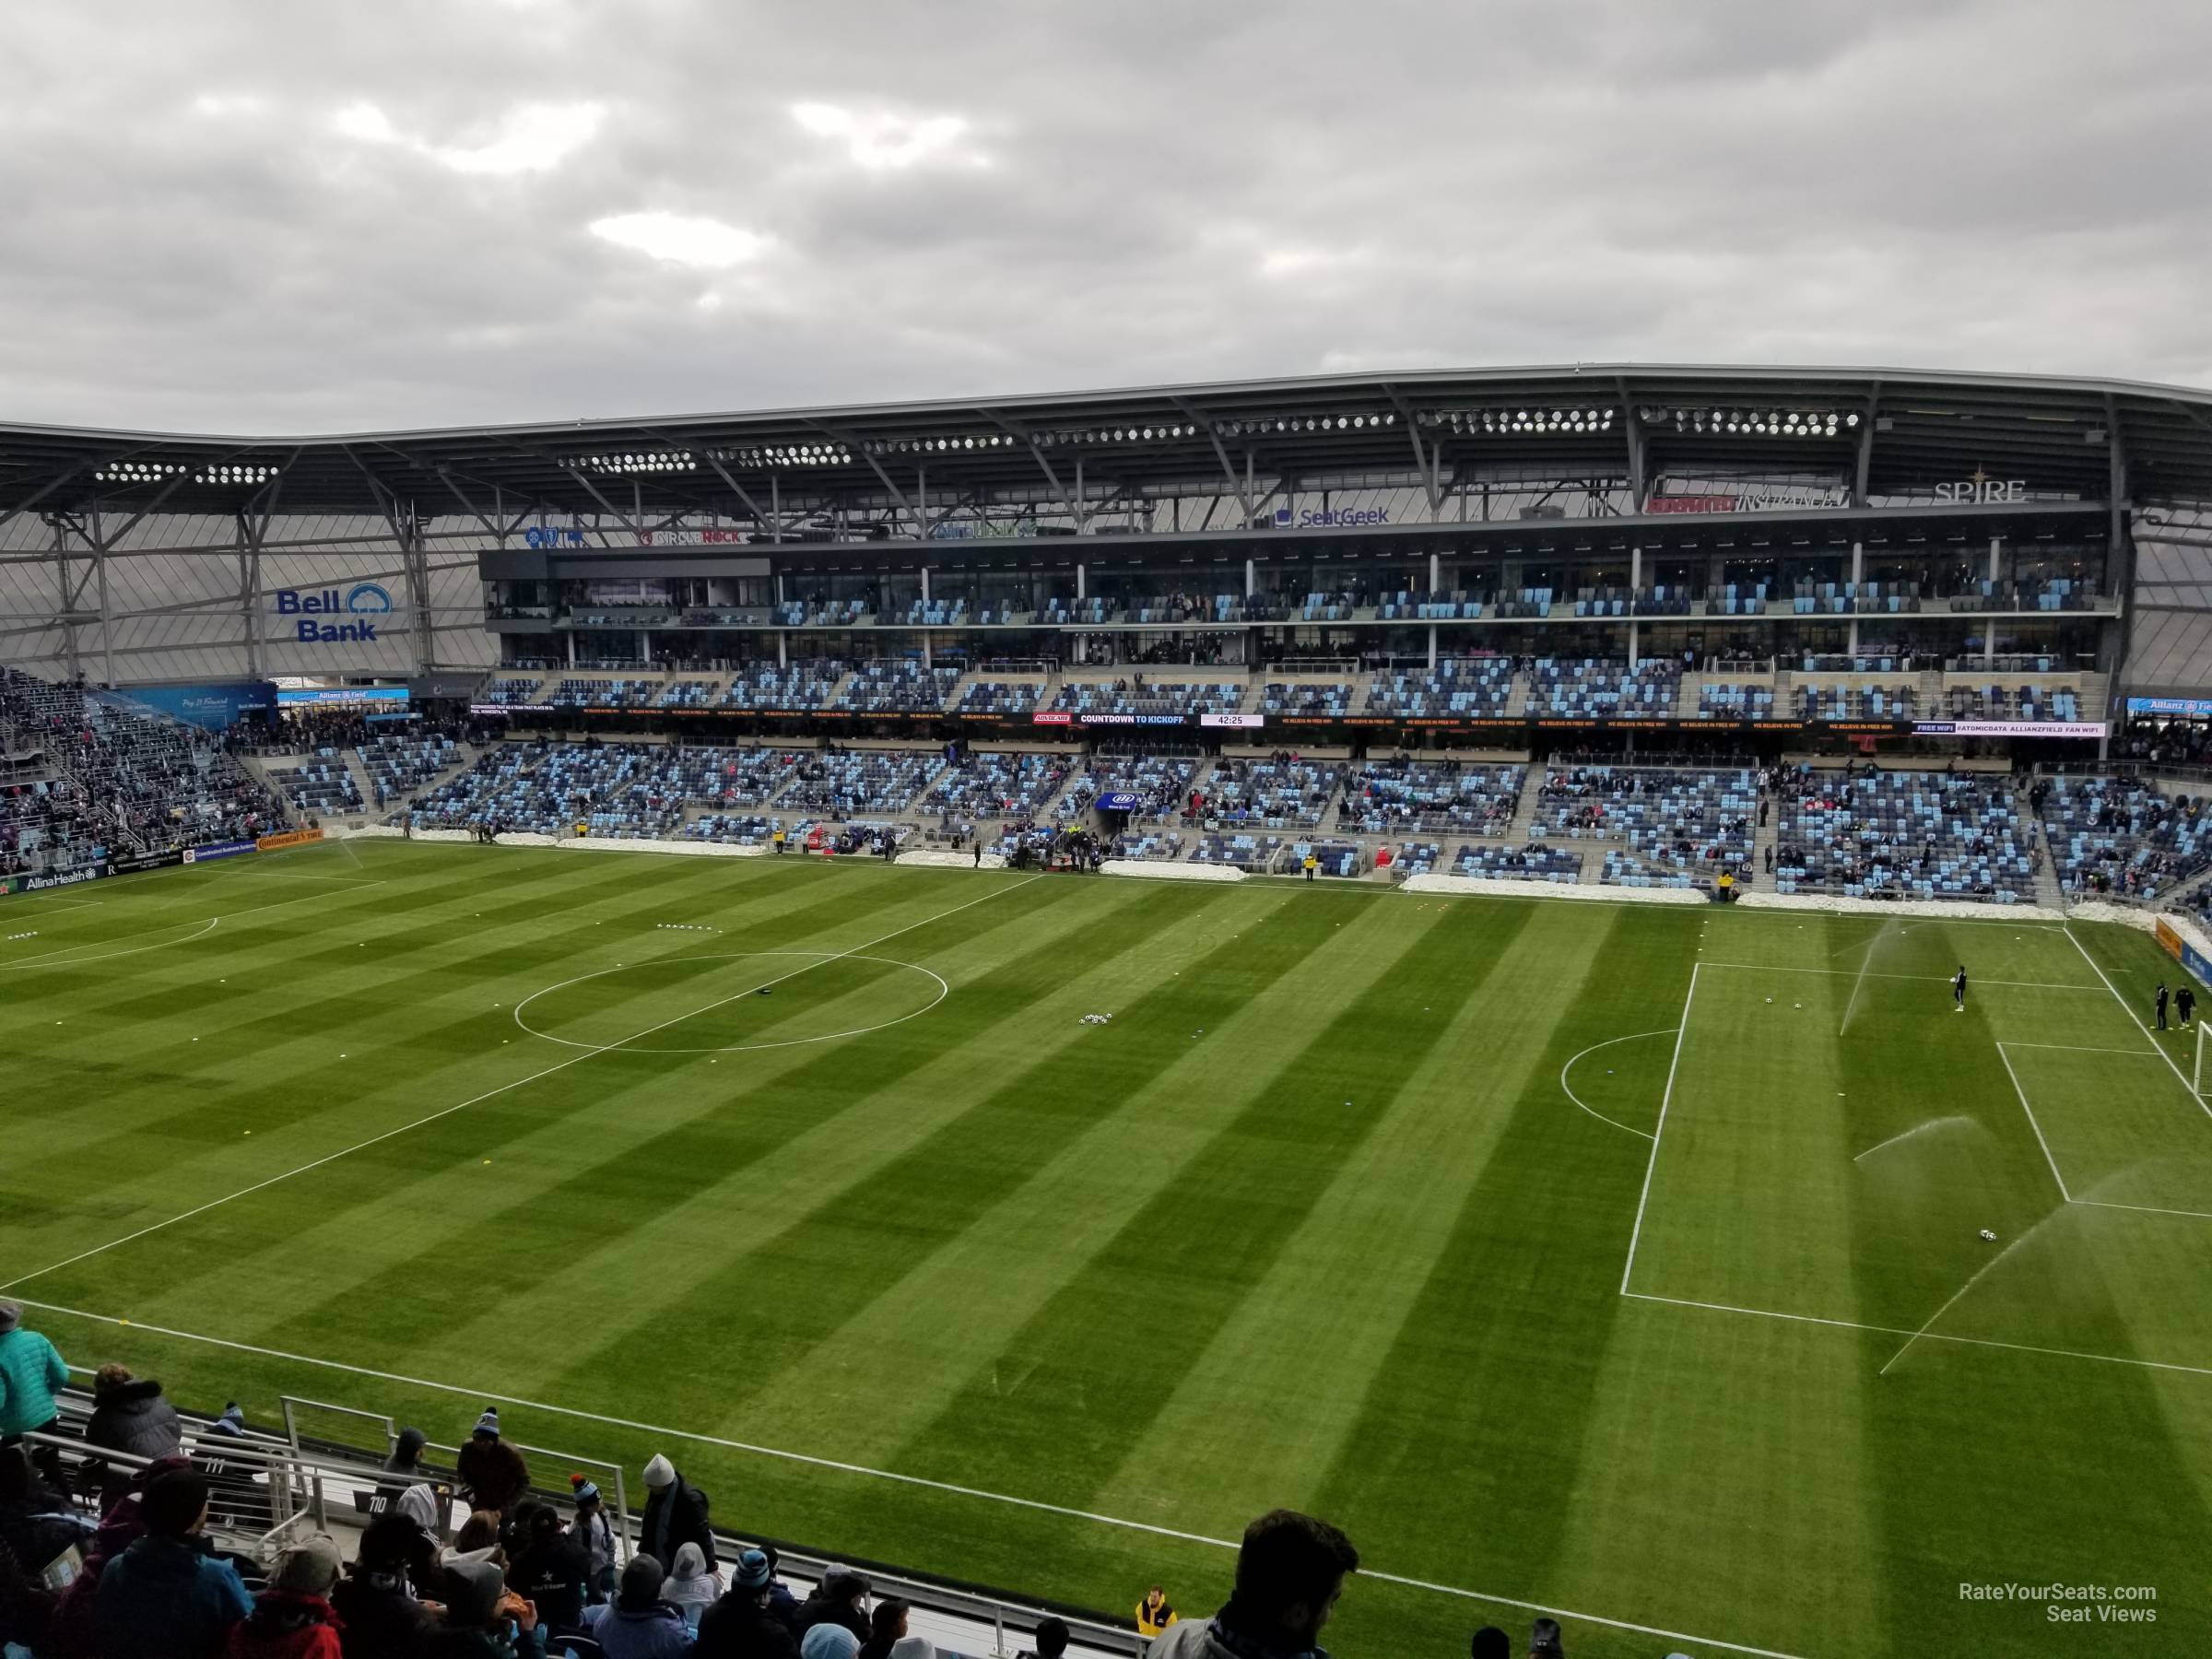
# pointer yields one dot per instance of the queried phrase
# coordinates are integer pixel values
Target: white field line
(2078, 1048)
(2147, 1209)
(2128, 1008)
(361, 880)
(279, 904)
(886, 1475)
(1922, 1336)
(577, 1059)
(2039, 1135)
(1925, 979)
(207, 927)
(1665, 1100)
(1593, 1049)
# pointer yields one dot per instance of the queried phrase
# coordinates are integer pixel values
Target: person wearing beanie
(1051, 1639)
(381, 1618)
(829, 1642)
(1291, 1569)
(31, 1373)
(675, 1514)
(1544, 1640)
(293, 1618)
(690, 1587)
(233, 1422)
(742, 1625)
(551, 1570)
(595, 1533)
(483, 1620)
(492, 1471)
(1490, 1642)
(638, 1624)
(166, 1596)
(840, 1598)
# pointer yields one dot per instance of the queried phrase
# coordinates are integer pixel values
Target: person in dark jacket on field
(551, 1570)
(742, 1625)
(381, 1619)
(675, 1514)
(293, 1618)
(837, 1600)
(492, 1470)
(638, 1624)
(166, 1597)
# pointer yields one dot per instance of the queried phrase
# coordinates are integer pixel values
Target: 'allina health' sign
(323, 617)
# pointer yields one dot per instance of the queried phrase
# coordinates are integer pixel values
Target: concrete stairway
(1525, 808)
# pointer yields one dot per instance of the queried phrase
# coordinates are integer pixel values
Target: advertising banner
(215, 707)
(351, 615)
(1053, 717)
(10, 884)
(145, 861)
(42, 883)
(2087, 729)
(341, 696)
(218, 849)
(2179, 708)
(288, 838)
(1121, 800)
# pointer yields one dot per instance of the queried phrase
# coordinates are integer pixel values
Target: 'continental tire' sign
(288, 838)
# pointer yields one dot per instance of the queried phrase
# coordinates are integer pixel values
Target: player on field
(2185, 1004)
(1958, 991)
(2161, 1003)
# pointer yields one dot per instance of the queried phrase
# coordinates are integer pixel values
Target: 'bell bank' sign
(326, 616)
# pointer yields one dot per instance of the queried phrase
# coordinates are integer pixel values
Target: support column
(645, 646)
(775, 510)
(1251, 579)
(1989, 622)
(925, 584)
(1081, 590)
(61, 603)
(1858, 575)
(1432, 648)
(1632, 637)
(571, 647)
(782, 649)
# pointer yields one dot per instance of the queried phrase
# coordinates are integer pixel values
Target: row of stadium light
(154, 472)
(1770, 423)
(648, 460)
(1266, 427)
(1523, 422)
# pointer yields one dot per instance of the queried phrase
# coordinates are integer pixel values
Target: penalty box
(1769, 1186)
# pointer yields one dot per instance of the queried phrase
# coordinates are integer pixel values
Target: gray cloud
(257, 216)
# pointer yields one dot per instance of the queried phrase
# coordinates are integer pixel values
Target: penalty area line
(892, 1476)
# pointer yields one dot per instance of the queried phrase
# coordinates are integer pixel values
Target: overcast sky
(291, 216)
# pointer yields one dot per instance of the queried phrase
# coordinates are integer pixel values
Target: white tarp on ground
(696, 849)
(382, 832)
(1161, 869)
(1478, 886)
(939, 858)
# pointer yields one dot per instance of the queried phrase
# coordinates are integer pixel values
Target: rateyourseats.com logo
(361, 601)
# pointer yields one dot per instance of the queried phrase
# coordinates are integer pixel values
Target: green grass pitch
(1353, 1207)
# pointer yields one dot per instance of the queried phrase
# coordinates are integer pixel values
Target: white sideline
(1925, 979)
(490, 1093)
(2128, 1008)
(1593, 1049)
(1665, 1100)
(1987, 1342)
(889, 1474)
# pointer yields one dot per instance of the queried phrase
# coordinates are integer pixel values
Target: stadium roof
(1890, 430)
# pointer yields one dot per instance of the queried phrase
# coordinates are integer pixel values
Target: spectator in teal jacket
(166, 1597)
(30, 1372)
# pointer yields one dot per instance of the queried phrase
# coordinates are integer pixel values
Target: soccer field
(1354, 1205)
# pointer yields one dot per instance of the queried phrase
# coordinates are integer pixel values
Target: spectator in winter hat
(233, 1422)
(838, 1598)
(1051, 1639)
(829, 1642)
(166, 1597)
(742, 1625)
(638, 1624)
(551, 1570)
(595, 1533)
(293, 1618)
(675, 1514)
(479, 1614)
(381, 1618)
(1543, 1640)
(1490, 1642)
(492, 1470)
